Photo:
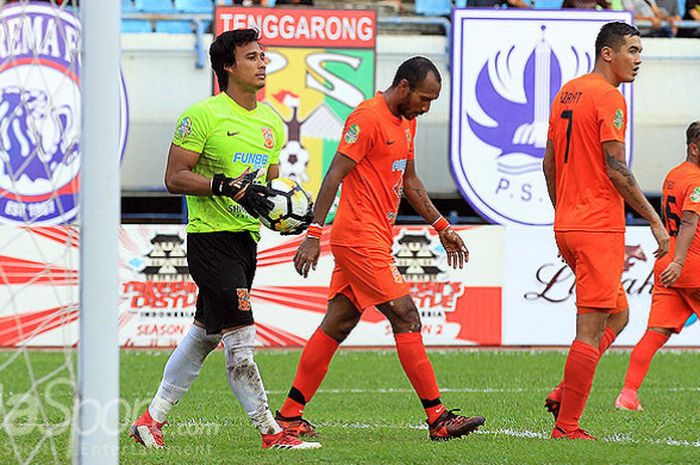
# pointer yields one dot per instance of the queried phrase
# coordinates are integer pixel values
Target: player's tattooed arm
(625, 183)
(550, 172)
(417, 196)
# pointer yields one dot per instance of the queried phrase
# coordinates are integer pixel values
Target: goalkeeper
(221, 146)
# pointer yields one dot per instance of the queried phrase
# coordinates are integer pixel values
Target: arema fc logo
(40, 114)
(501, 100)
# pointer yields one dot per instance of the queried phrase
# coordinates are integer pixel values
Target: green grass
(367, 413)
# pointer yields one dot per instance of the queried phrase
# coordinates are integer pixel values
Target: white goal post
(96, 432)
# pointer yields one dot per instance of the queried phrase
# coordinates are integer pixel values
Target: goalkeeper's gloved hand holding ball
(244, 191)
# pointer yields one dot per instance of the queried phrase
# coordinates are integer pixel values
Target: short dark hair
(692, 134)
(223, 51)
(414, 71)
(613, 35)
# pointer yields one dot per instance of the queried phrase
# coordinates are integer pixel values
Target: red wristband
(441, 224)
(315, 231)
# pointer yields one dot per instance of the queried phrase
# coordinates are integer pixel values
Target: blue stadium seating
(434, 7)
(194, 6)
(136, 25)
(128, 7)
(155, 6)
(548, 4)
(174, 27)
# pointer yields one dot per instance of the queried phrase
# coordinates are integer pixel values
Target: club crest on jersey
(243, 299)
(695, 195)
(408, 137)
(619, 119)
(352, 134)
(40, 114)
(268, 138)
(185, 128)
(501, 105)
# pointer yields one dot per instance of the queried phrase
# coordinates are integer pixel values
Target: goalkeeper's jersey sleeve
(229, 139)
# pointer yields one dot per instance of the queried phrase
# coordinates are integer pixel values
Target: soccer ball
(292, 205)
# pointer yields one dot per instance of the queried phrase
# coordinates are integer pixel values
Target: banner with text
(539, 296)
(321, 66)
(39, 291)
(40, 113)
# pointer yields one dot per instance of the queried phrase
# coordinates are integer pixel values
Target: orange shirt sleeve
(691, 199)
(612, 117)
(359, 135)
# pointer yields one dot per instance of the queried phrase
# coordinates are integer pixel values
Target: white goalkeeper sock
(181, 370)
(244, 379)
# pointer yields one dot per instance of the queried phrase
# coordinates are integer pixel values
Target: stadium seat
(548, 4)
(128, 6)
(434, 7)
(194, 6)
(155, 6)
(174, 27)
(136, 25)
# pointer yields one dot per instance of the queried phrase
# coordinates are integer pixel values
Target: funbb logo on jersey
(502, 93)
(40, 114)
(257, 160)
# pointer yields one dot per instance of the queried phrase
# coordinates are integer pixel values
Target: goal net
(40, 161)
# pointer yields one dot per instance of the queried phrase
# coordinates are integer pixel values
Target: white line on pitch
(464, 390)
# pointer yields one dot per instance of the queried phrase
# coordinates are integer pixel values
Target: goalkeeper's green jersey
(229, 139)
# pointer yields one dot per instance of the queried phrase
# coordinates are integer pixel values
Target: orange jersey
(381, 144)
(586, 112)
(681, 192)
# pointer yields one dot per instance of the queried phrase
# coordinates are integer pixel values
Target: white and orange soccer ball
(292, 206)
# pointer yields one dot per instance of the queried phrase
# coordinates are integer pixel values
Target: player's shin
(245, 381)
(181, 369)
(641, 357)
(313, 366)
(578, 379)
(419, 370)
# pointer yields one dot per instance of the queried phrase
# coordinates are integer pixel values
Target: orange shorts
(672, 306)
(597, 260)
(365, 276)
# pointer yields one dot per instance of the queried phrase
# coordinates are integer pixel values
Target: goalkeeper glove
(243, 190)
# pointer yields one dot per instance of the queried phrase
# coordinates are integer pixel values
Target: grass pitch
(367, 412)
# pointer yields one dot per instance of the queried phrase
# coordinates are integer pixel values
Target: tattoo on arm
(627, 186)
(418, 198)
(621, 168)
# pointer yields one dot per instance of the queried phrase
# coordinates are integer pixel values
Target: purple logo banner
(507, 67)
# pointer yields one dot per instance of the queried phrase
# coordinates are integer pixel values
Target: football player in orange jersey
(375, 164)
(588, 182)
(676, 294)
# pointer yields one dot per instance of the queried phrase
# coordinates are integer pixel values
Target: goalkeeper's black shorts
(223, 266)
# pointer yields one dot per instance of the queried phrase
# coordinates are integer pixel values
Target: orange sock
(419, 370)
(578, 379)
(605, 341)
(313, 366)
(641, 358)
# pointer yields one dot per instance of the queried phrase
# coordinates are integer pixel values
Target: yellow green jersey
(229, 139)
